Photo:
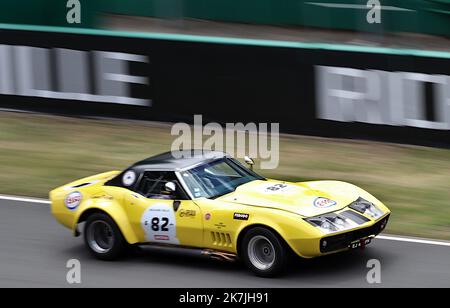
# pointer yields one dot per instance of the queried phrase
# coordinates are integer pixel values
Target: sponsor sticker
(241, 216)
(220, 225)
(129, 178)
(187, 213)
(160, 237)
(73, 200)
(323, 203)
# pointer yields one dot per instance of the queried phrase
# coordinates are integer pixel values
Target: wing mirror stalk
(249, 161)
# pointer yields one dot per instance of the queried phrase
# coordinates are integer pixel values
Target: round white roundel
(129, 178)
(73, 200)
(322, 203)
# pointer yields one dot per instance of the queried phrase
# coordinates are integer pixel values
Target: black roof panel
(168, 162)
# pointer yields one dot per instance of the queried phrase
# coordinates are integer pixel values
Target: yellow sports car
(210, 201)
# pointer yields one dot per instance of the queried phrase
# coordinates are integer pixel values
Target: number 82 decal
(156, 226)
(159, 224)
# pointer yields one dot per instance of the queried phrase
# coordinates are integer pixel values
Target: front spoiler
(343, 241)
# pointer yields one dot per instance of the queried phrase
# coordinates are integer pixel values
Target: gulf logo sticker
(323, 203)
(73, 200)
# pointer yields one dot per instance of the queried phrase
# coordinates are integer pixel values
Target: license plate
(360, 243)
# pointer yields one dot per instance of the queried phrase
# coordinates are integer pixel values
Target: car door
(159, 216)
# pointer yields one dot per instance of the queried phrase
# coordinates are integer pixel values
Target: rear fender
(111, 208)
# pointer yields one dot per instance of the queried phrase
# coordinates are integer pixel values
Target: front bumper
(343, 241)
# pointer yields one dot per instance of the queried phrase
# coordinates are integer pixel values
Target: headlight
(332, 222)
(365, 207)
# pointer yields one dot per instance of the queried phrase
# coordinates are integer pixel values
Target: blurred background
(403, 22)
(361, 91)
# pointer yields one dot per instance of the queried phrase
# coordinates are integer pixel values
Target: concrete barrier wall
(316, 89)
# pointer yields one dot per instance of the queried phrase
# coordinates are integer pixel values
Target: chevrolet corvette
(209, 201)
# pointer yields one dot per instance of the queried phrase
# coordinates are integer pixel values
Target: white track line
(24, 199)
(381, 237)
(413, 240)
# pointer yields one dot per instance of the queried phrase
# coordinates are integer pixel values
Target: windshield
(217, 178)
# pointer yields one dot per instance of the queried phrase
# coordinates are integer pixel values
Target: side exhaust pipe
(219, 255)
(211, 253)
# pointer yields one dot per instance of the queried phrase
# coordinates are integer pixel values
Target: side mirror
(170, 187)
(249, 162)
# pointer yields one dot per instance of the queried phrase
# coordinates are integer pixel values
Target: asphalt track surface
(34, 250)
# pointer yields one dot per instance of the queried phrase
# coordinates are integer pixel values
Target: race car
(209, 201)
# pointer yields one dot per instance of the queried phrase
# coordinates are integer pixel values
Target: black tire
(103, 237)
(264, 252)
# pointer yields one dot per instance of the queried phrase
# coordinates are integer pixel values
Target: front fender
(298, 234)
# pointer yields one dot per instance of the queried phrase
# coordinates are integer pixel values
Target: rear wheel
(103, 237)
(264, 252)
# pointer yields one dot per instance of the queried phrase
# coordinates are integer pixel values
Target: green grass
(40, 152)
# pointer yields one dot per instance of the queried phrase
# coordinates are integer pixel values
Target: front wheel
(103, 237)
(264, 252)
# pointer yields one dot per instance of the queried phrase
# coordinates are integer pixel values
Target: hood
(306, 198)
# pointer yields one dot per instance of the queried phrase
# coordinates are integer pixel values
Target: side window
(152, 185)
